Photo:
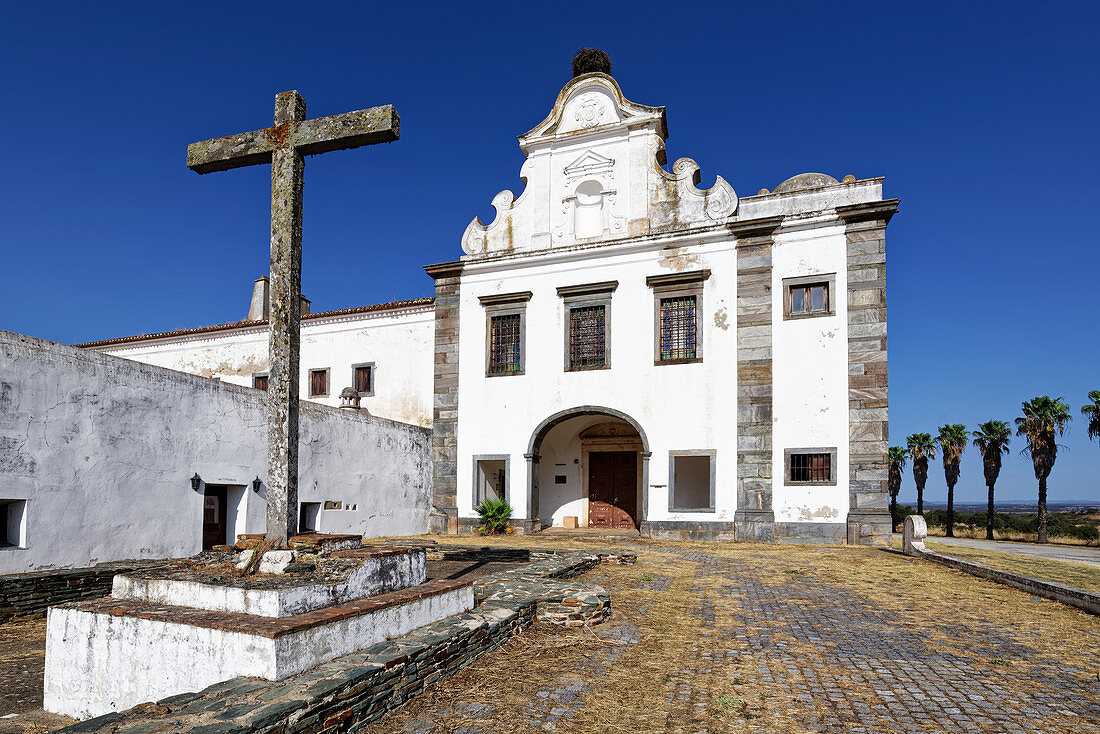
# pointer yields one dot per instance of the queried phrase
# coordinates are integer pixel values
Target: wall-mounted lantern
(256, 484)
(196, 481)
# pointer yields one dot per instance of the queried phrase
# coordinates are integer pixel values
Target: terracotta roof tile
(393, 305)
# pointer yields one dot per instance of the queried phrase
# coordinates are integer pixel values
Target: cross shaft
(284, 146)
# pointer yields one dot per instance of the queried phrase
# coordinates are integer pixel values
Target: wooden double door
(613, 489)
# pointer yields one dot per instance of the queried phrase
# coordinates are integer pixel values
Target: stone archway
(563, 451)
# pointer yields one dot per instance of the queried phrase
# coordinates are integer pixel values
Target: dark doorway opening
(214, 516)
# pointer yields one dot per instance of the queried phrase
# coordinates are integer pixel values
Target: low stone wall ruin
(30, 594)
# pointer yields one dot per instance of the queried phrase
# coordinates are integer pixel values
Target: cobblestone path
(829, 658)
(848, 665)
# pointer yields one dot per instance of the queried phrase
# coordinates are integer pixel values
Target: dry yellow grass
(978, 533)
(1081, 575)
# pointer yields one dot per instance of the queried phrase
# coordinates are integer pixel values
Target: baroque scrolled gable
(594, 174)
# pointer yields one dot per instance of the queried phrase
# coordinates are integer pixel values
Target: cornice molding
(588, 289)
(498, 299)
(871, 211)
(677, 279)
(445, 270)
(763, 227)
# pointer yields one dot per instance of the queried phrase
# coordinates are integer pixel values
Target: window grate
(504, 344)
(678, 337)
(811, 468)
(587, 337)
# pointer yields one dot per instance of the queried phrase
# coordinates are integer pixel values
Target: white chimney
(260, 308)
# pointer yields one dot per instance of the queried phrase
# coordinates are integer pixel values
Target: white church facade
(622, 349)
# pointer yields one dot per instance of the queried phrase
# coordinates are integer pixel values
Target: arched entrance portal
(587, 465)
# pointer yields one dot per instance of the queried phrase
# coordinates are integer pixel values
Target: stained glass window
(678, 335)
(587, 337)
(504, 344)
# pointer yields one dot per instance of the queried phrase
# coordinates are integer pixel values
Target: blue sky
(981, 116)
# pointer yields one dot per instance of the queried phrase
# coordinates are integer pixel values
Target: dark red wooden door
(612, 489)
(214, 514)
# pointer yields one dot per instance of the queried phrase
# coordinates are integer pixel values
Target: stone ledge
(31, 594)
(1087, 601)
(349, 692)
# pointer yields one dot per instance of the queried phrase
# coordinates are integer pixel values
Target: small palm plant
(898, 455)
(952, 441)
(921, 449)
(1092, 414)
(991, 439)
(494, 514)
(1044, 419)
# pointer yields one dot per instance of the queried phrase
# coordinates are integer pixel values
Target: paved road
(1055, 552)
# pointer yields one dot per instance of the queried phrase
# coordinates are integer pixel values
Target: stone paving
(832, 660)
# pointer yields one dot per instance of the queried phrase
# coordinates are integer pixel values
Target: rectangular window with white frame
(809, 296)
(677, 316)
(587, 325)
(809, 466)
(691, 476)
(505, 327)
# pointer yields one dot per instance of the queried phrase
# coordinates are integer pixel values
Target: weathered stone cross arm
(308, 137)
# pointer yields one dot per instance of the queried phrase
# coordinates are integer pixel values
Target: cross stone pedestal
(163, 633)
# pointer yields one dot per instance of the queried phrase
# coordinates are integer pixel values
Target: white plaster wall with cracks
(102, 451)
(398, 341)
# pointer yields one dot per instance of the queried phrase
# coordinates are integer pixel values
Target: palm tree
(921, 449)
(952, 441)
(1044, 419)
(1093, 413)
(991, 439)
(898, 455)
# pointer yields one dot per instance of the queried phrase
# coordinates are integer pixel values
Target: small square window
(13, 524)
(809, 296)
(318, 383)
(505, 341)
(810, 466)
(691, 481)
(587, 343)
(362, 379)
(259, 381)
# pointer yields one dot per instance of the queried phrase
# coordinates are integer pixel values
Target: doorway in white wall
(309, 517)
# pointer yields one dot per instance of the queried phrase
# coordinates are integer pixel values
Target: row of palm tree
(1043, 420)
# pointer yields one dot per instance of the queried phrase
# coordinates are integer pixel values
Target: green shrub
(494, 515)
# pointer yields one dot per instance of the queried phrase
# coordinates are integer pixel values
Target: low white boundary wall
(102, 449)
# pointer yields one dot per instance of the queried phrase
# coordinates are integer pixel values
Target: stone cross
(284, 146)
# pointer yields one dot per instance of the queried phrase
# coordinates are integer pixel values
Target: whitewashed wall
(810, 374)
(102, 449)
(679, 407)
(398, 342)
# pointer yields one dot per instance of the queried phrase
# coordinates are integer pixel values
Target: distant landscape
(1017, 507)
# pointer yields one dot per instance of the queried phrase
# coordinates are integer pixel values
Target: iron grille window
(678, 328)
(587, 337)
(318, 383)
(504, 344)
(809, 299)
(364, 381)
(811, 468)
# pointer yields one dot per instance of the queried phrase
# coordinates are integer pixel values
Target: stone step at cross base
(110, 654)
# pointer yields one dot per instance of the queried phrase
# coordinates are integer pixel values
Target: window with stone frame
(588, 325)
(809, 296)
(809, 466)
(505, 324)
(318, 383)
(677, 327)
(504, 344)
(259, 380)
(362, 378)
